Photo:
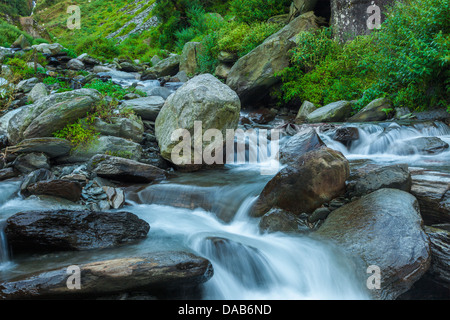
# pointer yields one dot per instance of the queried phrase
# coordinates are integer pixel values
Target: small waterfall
(4, 249)
(390, 141)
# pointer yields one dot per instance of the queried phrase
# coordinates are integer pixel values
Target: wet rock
(277, 220)
(245, 262)
(88, 60)
(162, 92)
(371, 178)
(440, 253)
(65, 230)
(346, 135)
(8, 173)
(121, 169)
(29, 162)
(262, 116)
(162, 274)
(432, 190)
(52, 147)
(302, 142)
(421, 145)
(350, 18)
(368, 229)
(317, 177)
(34, 177)
(70, 190)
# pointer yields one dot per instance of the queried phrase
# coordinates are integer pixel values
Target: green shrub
(407, 60)
(249, 11)
(80, 134)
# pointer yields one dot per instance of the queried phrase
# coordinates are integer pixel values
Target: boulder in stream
(383, 229)
(159, 274)
(316, 177)
(65, 230)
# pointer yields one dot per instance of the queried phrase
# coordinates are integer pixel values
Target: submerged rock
(161, 274)
(384, 229)
(65, 230)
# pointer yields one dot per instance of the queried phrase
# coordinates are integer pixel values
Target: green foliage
(98, 47)
(9, 34)
(406, 60)
(80, 134)
(241, 38)
(249, 11)
(109, 88)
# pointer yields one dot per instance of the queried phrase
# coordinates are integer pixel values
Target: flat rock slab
(65, 230)
(53, 147)
(122, 169)
(70, 190)
(152, 273)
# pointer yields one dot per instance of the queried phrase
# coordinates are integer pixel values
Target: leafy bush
(406, 60)
(80, 134)
(249, 11)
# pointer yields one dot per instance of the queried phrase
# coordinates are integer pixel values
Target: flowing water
(207, 213)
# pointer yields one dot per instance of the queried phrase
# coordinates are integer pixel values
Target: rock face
(167, 67)
(104, 145)
(440, 252)
(155, 273)
(305, 109)
(70, 190)
(368, 229)
(421, 145)
(350, 18)
(433, 193)
(53, 147)
(277, 220)
(124, 169)
(127, 128)
(188, 60)
(147, 108)
(377, 110)
(334, 112)
(51, 114)
(253, 74)
(304, 141)
(370, 179)
(65, 230)
(317, 177)
(203, 98)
